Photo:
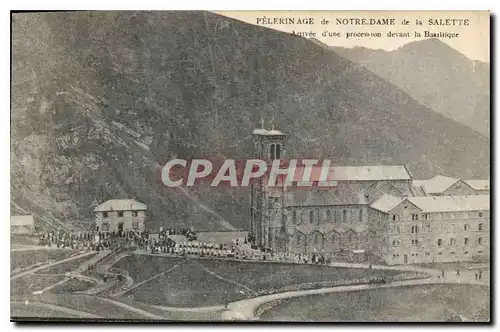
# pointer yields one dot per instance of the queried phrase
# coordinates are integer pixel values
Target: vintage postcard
(250, 166)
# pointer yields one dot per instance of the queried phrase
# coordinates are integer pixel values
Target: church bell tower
(266, 202)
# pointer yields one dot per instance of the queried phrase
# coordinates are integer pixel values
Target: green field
(23, 259)
(67, 266)
(204, 282)
(30, 311)
(70, 286)
(33, 282)
(90, 304)
(413, 303)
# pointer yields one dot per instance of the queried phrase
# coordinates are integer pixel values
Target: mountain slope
(436, 75)
(100, 100)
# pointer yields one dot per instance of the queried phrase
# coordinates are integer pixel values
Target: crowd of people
(92, 240)
(166, 241)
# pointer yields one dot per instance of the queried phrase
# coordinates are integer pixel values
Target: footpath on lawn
(251, 309)
(163, 280)
(166, 287)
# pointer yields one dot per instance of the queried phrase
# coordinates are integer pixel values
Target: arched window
(278, 151)
(294, 216)
(344, 215)
(316, 238)
(466, 227)
(360, 215)
(393, 242)
(272, 151)
(440, 242)
(480, 227)
(452, 242)
(350, 237)
(298, 239)
(328, 215)
(311, 217)
(334, 238)
(480, 240)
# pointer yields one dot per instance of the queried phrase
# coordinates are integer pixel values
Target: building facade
(22, 225)
(446, 186)
(433, 229)
(315, 219)
(118, 215)
(377, 209)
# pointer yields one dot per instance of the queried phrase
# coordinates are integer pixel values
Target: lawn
(262, 276)
(89, 304)
(29, 311)
(70, 286)
(142, 267)
(204, 282)
(186, 286)
(430, 303)
(67, 266)
(23, 259)
(32, 282)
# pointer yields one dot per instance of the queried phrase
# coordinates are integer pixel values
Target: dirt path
(78, 313)
(118, 294)
(42, 267)
(246, 309)
(130, 308)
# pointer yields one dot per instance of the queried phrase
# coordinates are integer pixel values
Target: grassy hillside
(100, 100)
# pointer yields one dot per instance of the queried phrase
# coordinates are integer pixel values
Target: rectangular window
(294, 216)
(466, 241)
(480, 214)
(134, 213)
(120, 213)
(105, 227)
(480, 227)
(135, 225)
(104, 214)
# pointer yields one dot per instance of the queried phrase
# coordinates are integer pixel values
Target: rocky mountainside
(436, 75)
(100, 100)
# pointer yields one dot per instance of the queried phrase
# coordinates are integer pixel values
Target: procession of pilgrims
(164, 243)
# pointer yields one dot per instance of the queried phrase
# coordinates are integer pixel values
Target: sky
(473, 39)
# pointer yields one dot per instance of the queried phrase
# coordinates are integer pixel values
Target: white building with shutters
(118, 215)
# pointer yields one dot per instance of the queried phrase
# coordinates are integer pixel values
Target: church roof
(356, 173)
(275, 132)
(386, 203)
(436, 203)
(479, 184)
(436, 185)
(260, 131)
(121, 205)
(323, 197)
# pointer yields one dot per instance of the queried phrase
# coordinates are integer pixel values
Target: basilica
(380, 210)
